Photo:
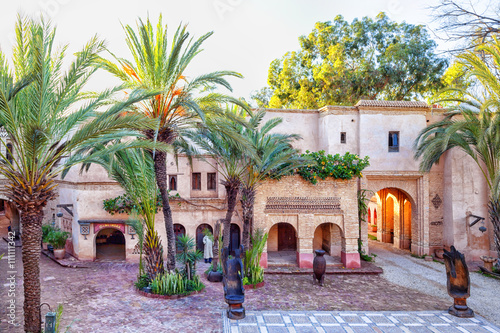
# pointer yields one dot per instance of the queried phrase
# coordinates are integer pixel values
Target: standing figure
(458, 283)
(208, 249)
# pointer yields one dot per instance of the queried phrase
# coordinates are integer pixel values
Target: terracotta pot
(488, 262)
(59, 253)
(319, 266)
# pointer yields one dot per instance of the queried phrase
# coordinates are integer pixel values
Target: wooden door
(287, 241)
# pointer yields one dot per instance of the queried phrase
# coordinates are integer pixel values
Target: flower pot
(488, 262)
(59, 253)
(319, 266)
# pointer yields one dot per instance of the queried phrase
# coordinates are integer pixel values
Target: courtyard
(102, 298)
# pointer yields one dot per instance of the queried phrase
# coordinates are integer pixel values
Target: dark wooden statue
(458, 283)
(234, 293)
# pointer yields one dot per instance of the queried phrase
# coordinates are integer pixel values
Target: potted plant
(46, 230)
(57, 238)
(374, 228)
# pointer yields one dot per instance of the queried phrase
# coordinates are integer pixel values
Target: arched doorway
(395, 223)
(282, 237)
(179, 230)
(200, 235)
(328, 237)
(110, 244)
(234, 240)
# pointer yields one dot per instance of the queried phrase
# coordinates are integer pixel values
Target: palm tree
(52, 125)
(220, 142)
(155, 66)
(473, 127)
(133, 169)
(276, 158)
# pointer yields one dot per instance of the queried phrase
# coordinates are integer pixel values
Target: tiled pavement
(356, 322)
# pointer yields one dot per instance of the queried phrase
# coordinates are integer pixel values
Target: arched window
(9, 153)
(172, 183)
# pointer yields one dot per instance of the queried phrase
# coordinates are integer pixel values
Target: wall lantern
(482, 228)
(84, 229)
(131, 231)
(59, 214)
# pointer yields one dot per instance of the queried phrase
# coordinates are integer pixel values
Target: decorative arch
(121, 243)
(282, 237)
(199, 234)
(329, 237)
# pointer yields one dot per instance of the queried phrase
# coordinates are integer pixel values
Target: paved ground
(429, 277)
(354, 322)
(101, 298)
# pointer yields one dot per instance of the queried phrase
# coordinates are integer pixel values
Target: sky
(248, 34)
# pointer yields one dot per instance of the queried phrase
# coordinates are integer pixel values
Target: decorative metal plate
(437, 201)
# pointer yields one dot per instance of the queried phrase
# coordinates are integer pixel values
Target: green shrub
(339, 167)
(372, 237)
(211, 268)
(46, 230)
(175, 284)
(57, 238)
(142, 281)
(254, 273)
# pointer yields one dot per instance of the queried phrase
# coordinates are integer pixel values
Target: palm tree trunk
(31, 239)
(494, 211)
(160, 160)
(232, 187)
(247, 203)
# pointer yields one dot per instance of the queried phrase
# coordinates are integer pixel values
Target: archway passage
(282, 245)
(394, 225)
(110, 245)
(328, 237)
(234, 240)
(199, 235)
(179, 230)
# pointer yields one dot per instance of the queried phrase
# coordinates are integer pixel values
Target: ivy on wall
(336, 166)
(124, 204)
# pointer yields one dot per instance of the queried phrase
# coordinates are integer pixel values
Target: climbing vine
(336, 166)
(124, 204)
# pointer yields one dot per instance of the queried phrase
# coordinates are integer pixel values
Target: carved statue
(234, 293)
(458, 283)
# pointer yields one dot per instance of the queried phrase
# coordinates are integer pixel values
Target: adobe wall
(305, 221)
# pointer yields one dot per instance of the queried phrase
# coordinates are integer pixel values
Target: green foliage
(188, 255)
(124, 204)
(362, 204)
(254, 273)
(211, 268)
(340, 63)
(46, 230)
(175, 284)
(372, 237)
(142, 281)
(362, 254)
(339, 167)
(57, 238)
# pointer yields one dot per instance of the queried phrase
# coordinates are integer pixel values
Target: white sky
(248, 34)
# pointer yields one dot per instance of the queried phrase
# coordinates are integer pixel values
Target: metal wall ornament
(85, 229)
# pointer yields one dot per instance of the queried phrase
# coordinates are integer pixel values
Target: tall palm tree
(52, 125)
(221, 143)
(473, 127)
(275, 157)
(155, 66)
(133, 169)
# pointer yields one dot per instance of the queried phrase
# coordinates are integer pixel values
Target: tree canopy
(340, 63)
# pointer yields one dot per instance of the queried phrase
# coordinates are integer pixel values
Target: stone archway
(110, 244)
(200, 235)
(395, 224)
(179, 230)
(282, 237)
(235, 238)
(328, 237)
(412, 186)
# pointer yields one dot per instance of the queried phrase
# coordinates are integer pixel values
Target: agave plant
(188, 255)
(52, 125)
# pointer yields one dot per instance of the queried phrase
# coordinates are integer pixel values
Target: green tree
(133, 169)
(48, 117)
(181, 102)
(221, 143)
(473, 126)
(340, 63)
(273, 157)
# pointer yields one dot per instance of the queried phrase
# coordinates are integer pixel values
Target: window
(9, 153)
(393, 142)
(196, 180)
(172, 183)
(342, 137)
(211, 181)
